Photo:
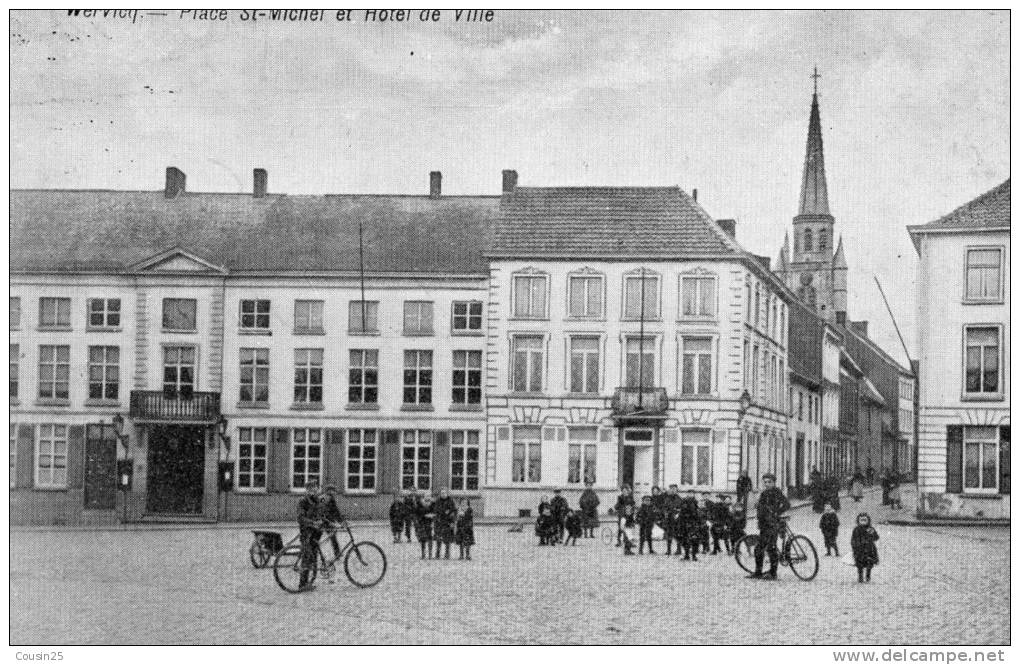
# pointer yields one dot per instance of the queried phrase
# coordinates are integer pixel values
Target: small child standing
(423, 527)
(646, 520)
(738, 526)
(397, 517)
(573, 525)
(627, 524)
(830, 530)
(546, 527)
(466, 532)
(862, 541)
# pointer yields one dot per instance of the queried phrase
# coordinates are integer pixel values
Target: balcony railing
(644, 402)
(172, 406)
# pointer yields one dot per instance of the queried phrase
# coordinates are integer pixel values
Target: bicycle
(364, 562)
(797, 552)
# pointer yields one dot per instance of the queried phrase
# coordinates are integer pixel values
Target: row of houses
(179, 355)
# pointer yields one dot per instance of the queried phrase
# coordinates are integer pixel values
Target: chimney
(860, 327)
(729, 226)
(260, 181)
(174, 182)
(509, 181)
(694, 194)
(435, 184)
(841, 318)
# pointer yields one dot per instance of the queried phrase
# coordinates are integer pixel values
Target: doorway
(637, 469)
(798, 461)
(100, 467)
(176, 469)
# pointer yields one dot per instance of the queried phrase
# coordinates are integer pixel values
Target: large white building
(963, 341)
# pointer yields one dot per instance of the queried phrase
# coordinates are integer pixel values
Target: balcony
(640, 403)
(174, 407)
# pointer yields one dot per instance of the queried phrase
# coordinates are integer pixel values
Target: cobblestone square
(196, 586)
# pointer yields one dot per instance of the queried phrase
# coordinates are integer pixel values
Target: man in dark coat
(817, 491)
(446, 518)
(466, 532)
(625, 498)
(559, 507)
(589, 504)
(657, 498)
(721, 519)
(689, 523)
(771, 506)
(309, 531)
(671, 519)
(744, 487)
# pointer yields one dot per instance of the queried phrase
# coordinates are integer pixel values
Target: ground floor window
(464, 451)
(361, 458)
(416, 460)
(581, 455)
(981, 458)
(695, 457)
(527, 455)
(306, 458)
(51, 459)
(252, 445)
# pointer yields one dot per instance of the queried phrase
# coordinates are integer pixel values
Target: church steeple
(814, 195)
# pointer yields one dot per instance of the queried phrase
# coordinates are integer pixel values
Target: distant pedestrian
(466, 532)
(397, 509)
(410, 511)
(627, 527)
(721, 520)
(857, 487)
(625, 498)
(705, 515)
(862, 542)
(646, 517)
(829, 525)
(886, 482)
(744, 487)
(589, 504)
(870, 475)
(671, 519)
(423, 524)
(817, 490)
(689, 524)
(446, 519)
(573, 525)
(895, 495)
(559, 507)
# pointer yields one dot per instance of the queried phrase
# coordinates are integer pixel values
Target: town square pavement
(196, 586)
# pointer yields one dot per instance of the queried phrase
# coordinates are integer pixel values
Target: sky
(914, 105)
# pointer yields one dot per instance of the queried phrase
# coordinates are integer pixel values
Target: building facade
(963, 339)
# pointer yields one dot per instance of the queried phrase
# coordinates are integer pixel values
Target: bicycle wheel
(608, 535)
(287, 569)
(365, 564)
(744, 553)
(803, 558)
(259, 555)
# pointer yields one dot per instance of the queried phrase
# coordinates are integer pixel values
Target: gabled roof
(624, 222)
(59, 230)
(986, 212)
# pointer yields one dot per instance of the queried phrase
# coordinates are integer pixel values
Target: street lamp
(745, 403)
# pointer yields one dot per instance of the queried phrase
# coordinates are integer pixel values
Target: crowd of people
(437, 522)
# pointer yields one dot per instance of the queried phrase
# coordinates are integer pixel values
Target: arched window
(823, 240)
(808, 241)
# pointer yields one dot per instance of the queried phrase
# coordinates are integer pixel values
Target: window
(983, 274)
(361, 458)
(306, 457)
(581, 455)
(13, 370)
(781, 335)
(416, 460)
(698, 296)
(768, 306)
(584, 365)
(467, 377)
(51, 456)
(54, 371)
(255, 376)
(980, 458)
(636, 307)
(982, 364)
(467, 316)
(308, 376)
(15, 313)
(104, 312)
(363, 316)
(527, 455)
(529, 296)
(251, 458)
(254, 315)
(54, 312)
(695, 458)
(808, 241)
(755, 368)
(697, 369)
(823, 241)
(14, 454)
(749, 301)
(585, 296)
(178, 371)
(464, 460)
(527, 364)
(775, 318)
(417, 317)
(810, 409)
(104, 372)
(640, 359)
(179, 313)
(364, 377)
(747, 363)
(308, 316)
(417, 377)
(800, 405)
(757, 305)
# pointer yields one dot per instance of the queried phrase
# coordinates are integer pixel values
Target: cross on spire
(816, 76)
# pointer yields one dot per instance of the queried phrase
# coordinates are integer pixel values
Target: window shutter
(954, 459)
(441, 460)
(388, 466)
(333, 464)
(25, 475)
(1004, 459)
(76, 457)
(279, 461)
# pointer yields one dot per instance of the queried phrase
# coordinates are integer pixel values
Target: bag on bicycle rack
(270, 540)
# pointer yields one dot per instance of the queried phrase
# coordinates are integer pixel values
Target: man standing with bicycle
(309, 528)
(771, 506)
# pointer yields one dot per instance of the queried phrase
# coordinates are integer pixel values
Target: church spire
(814, 197)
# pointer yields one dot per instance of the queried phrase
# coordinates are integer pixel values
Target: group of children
(862, 541)
(436, 520)
(685, 522)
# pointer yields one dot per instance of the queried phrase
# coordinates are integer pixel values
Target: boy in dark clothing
(625, 498)
(829, 525)
(559, 508)
(689, 527)
(771, 505)
(546, 527)
(397, 517)
(706, 514)
(410, 511)
(671, 519)
(332, 516)
(466, 532)
(627, 524)
(646, 518)
(862, 542)
(310, 531)
(446, 518)
(573, 525)
(744, 487)
(738, 526)
(721, 523)
(423, 526)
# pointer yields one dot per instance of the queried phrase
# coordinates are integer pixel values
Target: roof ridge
(977, 200)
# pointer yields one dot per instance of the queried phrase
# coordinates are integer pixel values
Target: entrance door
(628, 466)
(176, 469)
(798, 460)
(642, 470)
(638, 471)
(100, 467)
